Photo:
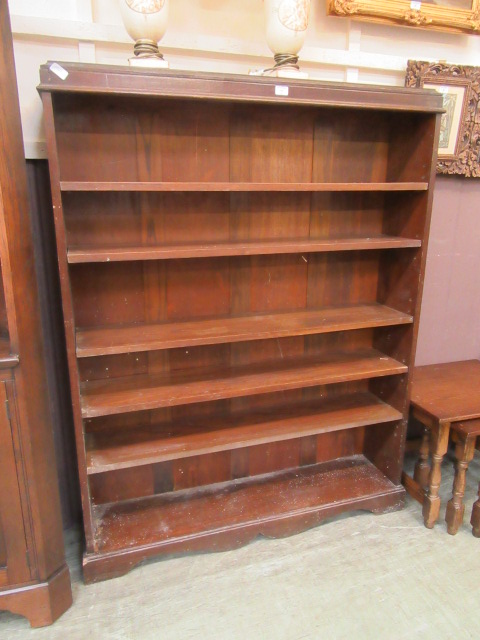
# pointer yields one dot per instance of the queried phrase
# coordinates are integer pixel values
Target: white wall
(214, 35)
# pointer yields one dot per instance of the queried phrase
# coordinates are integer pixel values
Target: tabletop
(448, 392)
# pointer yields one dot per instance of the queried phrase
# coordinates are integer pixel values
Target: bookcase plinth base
(234, 513)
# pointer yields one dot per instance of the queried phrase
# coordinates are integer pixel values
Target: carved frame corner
(466, 158)
(421, 15)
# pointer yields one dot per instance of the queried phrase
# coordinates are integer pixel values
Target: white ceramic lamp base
(146, 22)
(286, 26)
(155, 63)
(286, 73)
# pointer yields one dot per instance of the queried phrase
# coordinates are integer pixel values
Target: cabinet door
(14, 566)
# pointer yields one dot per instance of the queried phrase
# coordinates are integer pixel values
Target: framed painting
(458, 16)
(459, 145)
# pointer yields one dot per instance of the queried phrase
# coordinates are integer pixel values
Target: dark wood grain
(277, 504)
(110, 450)
(448, 391)
(148, 337)
(78, 255)
(140, 392)
(34, 578)
(242, 186)
(238, 272)
(445, 400)
(108, 79)
(464, 435)
(43, 232)
(67, 309)
(15, 560)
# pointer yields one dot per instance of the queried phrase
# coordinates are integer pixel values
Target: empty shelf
(184, 520)
(146, 337)
(241, 186)
(109, 450)
(78, 255)
(141, 392)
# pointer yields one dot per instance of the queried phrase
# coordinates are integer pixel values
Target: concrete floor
(356, 577)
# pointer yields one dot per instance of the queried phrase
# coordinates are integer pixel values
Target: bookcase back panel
(274, 144)
(126, 218)
(269, 215)
(350, 147)
(352, 215)
(114, 294)
(342, 278)
(151, 219)
(220, 287)
(138, 139)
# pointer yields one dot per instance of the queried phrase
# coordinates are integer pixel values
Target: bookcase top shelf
(243, 186)
(116, 80)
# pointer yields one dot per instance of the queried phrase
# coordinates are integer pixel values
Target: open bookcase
(241, 278)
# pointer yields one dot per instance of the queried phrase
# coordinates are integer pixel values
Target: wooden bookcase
(241, 278)
(34, 577)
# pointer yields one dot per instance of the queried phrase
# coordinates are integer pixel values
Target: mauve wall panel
(450, 317)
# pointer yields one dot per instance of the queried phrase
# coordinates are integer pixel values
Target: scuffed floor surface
(356, 577)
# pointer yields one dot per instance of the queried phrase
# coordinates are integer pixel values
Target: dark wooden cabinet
(14, 550)
(241, 263)
(34, 578)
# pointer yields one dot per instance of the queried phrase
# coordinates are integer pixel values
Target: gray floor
(355, 577)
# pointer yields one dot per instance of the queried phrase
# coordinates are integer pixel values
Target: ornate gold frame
(465, 159)
(415, 14)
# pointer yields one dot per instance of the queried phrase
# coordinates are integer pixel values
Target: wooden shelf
(308, 494)
(140, 392)
(111, 450)
(148, 337)
(77, 255)
(68, 185)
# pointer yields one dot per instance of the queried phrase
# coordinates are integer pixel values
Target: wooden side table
(465, 435)
(442, 395)
(475, 519)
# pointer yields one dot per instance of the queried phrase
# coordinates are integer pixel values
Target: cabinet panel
(34, 579)
(13, 546)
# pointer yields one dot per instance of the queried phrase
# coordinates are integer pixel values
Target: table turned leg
(475, 521)
(431, 504)
(422, 468)
(464, 452)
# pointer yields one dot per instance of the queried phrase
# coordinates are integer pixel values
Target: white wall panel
(215, 35)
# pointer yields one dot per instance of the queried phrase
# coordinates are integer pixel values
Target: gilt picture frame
(459, 146)
(457, 16)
